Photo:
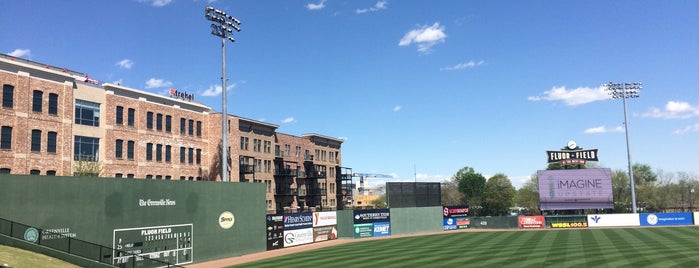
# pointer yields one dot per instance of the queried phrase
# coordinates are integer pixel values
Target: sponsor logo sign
(324, 218)
(454, 211)
(456, 223)
(31, 235)
(298, 237)
(572, 157)
(569, 224)
(531, 222)
(363, 230)
(575, 189)
(298, 221)
(226, 220)
(665, 219)
(324, 233)
(181, 95)
(613, 220)
(275, 231)
(372, 215)
(382, 228)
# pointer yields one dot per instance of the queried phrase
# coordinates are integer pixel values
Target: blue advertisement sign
(295, 221)
(382, 228)
(449, 224)
(666, 219)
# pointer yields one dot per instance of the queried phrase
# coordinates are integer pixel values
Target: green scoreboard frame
(169, 243)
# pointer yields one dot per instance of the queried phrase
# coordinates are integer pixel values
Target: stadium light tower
(223, 27)
(624, 91)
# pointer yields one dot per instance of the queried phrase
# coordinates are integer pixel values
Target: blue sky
(417, 88)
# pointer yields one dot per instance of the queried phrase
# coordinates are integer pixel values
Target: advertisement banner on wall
(363, 230)
(454, 211)
(372, 215)
(575, 189)
(298, 237)
(324, 218)
(294, 221)
(456, 223)
(531, 222)
(324, 233)
(665, 219)
(613, 220)
(382, 228)
(570, 224)
(275, 231)
(696, 216)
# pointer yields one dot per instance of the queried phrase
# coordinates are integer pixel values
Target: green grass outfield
(622, 247)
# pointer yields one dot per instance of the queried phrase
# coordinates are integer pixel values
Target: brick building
(60, 122)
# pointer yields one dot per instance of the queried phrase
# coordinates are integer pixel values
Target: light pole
(224, 29)
(624, 91)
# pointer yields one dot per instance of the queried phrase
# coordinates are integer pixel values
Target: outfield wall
(176, 221)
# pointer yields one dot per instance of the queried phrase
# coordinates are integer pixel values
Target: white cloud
(21, 53)
(125, 63)
(573, 97)
(674, 110)
(288, 120)
(157, 83)
(603, 129)
(687, 129)
(318, 6)
(156, 3)
(425, 37)
(397, 108)
(423, 177)
(378, 6)
(464, 65)
(215, 90)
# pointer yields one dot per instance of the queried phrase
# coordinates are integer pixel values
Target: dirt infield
(291, 250)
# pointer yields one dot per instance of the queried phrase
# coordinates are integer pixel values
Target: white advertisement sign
(298, 237)
(613, 220)
(324, 218)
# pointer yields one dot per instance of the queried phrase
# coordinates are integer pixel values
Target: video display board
(575, 189)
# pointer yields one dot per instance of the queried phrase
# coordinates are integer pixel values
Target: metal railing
(70, 245)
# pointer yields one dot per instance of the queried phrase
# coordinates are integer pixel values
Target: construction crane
(361, 177)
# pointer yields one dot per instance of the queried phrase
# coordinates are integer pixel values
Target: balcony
(314, 192)
(286, 191)
(247, 169)
(287, 172)
(316, 174)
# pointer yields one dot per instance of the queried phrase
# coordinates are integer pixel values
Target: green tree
(643, 174)
(527, 197)
(87, 168)
(621, 191)
(472, 186)
(499, 195)
(379, 202)
(450, 194)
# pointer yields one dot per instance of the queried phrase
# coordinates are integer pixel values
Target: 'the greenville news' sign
(573, 157)
(575, 189)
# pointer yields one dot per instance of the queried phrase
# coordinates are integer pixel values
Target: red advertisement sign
(531, 222)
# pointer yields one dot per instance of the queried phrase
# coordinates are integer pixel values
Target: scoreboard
(169, 243)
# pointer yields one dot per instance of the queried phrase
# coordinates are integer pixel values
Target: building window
(37, 100)
(130, 149)
(119, 115)
(159, 122)
(159, 152)
(87, 113)
(8, 94)
(86, 149)
(118, 175)
(244, 143)
(168, 123)
(6, 138)
(183, 126)
(53, 103)
(36, 140)
(130, 176)
(191, 127)
(131, 117)
(268, 146)
(51, 142)
(191, 156)
(5, 170)
(35, 172)
(149, 176)
(168, 153)
(198, 128)
(118, 149)
(198, 156)
(298, 151)
(182, 154)
(287, 150)
(158, 177)
(183, 178)
(149, 152)
(50, 173)
(149, 120)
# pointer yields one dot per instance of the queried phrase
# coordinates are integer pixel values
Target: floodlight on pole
(624, 91)
(224, 30)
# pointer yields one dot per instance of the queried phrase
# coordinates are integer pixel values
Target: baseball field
(621, 247)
